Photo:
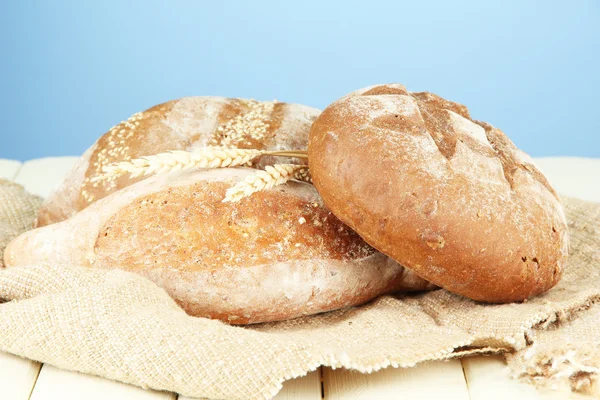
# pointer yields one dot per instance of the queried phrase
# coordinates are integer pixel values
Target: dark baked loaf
(276, 255)
(449, 197)
(184, 124)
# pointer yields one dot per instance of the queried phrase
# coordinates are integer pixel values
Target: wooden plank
(303, 388)
(55, 383)
(431, 380)
(17, 376)
(489, 378)
(42, 175)
(9, 168)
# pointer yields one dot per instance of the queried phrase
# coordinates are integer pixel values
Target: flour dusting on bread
(382, 157)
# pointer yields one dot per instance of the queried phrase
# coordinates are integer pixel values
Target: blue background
(72, 69)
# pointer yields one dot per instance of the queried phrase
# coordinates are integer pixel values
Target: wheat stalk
(207, 157)
(288, 153)
(273, 175)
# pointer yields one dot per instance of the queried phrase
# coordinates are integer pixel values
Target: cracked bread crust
(449, 197)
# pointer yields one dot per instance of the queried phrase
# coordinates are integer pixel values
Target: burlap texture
(17, 212)
(121, 326)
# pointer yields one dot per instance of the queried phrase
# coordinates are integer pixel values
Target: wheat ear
(207, 157)
(272, 175)
(303, 174)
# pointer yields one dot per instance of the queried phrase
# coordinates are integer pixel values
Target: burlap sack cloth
(123, 327)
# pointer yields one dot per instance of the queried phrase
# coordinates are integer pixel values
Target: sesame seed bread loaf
(276, 255)
(449, 197)
(184, 124)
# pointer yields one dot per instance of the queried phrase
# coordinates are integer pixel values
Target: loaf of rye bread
(184, 124)
(276, 255)
(451, 198)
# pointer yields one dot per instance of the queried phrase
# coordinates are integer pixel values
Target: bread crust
(448, 197)
(183, 124)
(276, 255)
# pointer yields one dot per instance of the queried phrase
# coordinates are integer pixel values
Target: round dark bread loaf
(184, 124)
(450, 198)
(277, 255)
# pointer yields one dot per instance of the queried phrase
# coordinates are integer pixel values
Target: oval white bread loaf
(183, 124)
(449, 197)
(276, 255)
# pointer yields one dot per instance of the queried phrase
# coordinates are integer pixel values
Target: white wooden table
(472, 378)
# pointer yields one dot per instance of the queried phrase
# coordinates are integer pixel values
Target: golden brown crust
(248, 124)
(450, 198)
(271, 227)
(179, 125)
(127, 140)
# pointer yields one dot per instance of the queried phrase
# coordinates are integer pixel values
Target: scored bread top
(447, 196)
(184, 124)
(190, 228)
(275, 255)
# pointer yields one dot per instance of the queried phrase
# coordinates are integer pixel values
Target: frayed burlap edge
(564, 354)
